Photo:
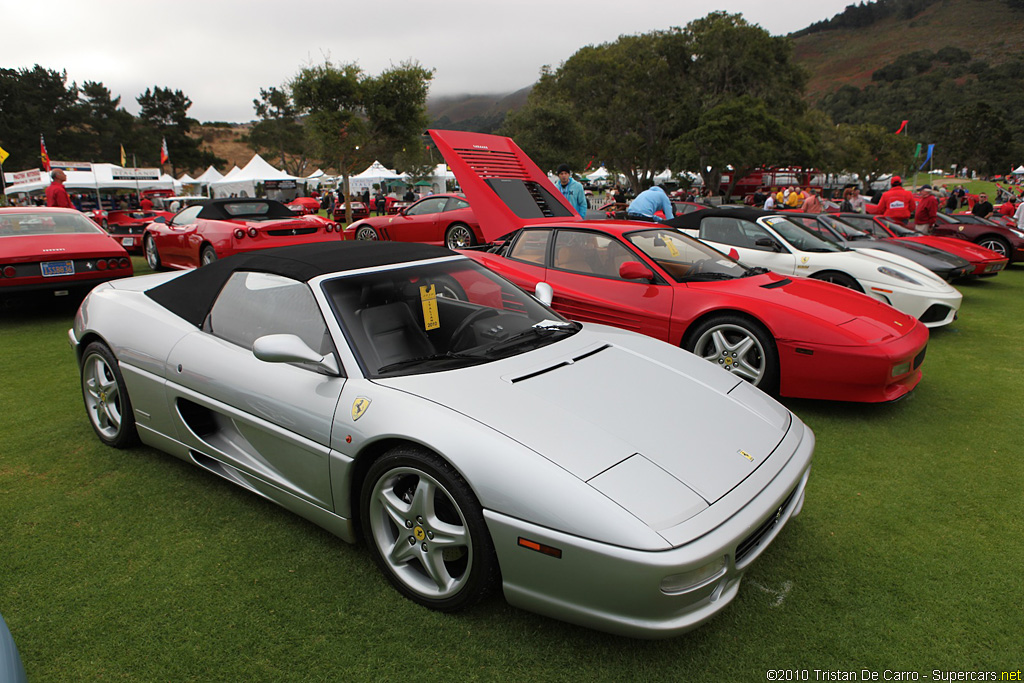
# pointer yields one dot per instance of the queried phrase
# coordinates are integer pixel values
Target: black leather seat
(393, 334)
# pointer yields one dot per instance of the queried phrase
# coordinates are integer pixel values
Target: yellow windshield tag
(428, 297)
(672, 248)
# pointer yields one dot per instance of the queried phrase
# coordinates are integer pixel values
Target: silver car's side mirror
(544, 293)
(288, 348)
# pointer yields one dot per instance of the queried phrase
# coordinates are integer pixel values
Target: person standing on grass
(56, 194)
(927, 210)
(895, 203)
(983, 208)
(572, 190)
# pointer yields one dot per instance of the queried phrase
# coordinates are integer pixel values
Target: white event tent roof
(375, 173)
(245, 179)
(100, 178)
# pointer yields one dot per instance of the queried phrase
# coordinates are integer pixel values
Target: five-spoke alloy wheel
(426, 530)
(739, 346)
(106, 398)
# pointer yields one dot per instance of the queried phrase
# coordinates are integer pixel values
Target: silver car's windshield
(438, 316)
(799, 237)
(686, 259)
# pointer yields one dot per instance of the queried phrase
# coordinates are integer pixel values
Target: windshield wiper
(451, 355)
(756, 270)
(540, 330)
(710, 276)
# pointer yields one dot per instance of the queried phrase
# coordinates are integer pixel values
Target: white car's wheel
(106, 398)
(426, 530)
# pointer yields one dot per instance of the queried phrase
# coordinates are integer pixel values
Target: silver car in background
(403, 394)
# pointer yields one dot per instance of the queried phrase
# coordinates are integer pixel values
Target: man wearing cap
(896, 203)
(927, 210)
(571, 190)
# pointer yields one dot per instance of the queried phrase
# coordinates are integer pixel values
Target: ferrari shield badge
(359, 407)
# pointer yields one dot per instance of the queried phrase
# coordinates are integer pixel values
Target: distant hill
(990, 30)
(478, 113)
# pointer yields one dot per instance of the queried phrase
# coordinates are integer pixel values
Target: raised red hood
(503, 185)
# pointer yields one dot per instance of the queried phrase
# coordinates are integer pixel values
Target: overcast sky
(220, 52)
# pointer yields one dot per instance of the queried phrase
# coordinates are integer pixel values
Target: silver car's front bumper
(619, 590)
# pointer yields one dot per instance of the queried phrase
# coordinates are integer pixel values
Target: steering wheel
(456, 338)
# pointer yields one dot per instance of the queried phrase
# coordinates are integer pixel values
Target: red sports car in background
(221, 227)
(984, 261)
(793, 336)
(304, 205)
(1003, 240)
(57, 251)
(359, 211)
(438, 219)
(127, 226)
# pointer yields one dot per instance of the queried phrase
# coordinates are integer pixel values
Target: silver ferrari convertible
(403, 394)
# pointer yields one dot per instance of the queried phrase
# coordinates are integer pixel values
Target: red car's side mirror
(633, 270)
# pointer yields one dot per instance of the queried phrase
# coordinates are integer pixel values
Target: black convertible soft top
(237, 208)
(191, 295)
(692, 220)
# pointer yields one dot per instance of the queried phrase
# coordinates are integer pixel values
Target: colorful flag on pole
(124, 157)
(3, 155)
(902, 126)
(164, 156)
(43, 155)
(927, 158)
(917, 152)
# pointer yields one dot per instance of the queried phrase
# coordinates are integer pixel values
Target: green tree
(874, 151)
(107, 126)
(36, 102)
(279, 131)
(163, 115)
(353, 118)
(978, 138)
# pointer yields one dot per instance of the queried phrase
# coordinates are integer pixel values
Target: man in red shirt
(896, 203)
(927, 210)
(56, 195)
(146, 204)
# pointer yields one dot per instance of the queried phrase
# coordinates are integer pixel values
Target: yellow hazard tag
(429, 299)
(672, 248)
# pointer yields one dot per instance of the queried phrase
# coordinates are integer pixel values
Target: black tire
(367, 232)
(152, 253)
(106, 397)
(438, 553)
(996, 244)
(738, 345)
(207, 255)
(837, 278)
(459, 236)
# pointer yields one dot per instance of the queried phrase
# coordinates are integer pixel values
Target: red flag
(164, 156)
(902, 126)
(43, 155)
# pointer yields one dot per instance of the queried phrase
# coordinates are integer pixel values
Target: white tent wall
(243, 182)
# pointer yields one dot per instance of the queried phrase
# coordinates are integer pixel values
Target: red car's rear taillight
(239, 234)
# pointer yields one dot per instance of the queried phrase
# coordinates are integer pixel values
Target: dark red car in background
(1002, 239)
(438, 219)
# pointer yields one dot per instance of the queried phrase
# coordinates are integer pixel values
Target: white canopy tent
(243, 182)
(98, 180)
(599, 175)
(1019, 170)
(376, 173)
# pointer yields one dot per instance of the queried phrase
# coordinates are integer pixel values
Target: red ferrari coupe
(794, 336)
(127, 227)
(359, 211)
(304, 206)
(438, 219)
(56, 251)
(204, 233)
(984, 261)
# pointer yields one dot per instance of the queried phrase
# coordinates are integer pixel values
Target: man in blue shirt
(571, 190)
(643, 207)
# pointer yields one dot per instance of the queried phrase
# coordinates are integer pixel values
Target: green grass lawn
(133, 565)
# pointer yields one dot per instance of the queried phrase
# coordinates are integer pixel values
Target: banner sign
(279, 185)
(135, 173)
(33, 176)
(71, 165)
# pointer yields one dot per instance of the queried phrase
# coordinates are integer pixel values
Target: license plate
(128, 241)
(57, 268)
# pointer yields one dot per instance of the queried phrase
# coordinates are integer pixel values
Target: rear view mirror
(767, 242)
(288, 348)
(159, 219)
(544, 293)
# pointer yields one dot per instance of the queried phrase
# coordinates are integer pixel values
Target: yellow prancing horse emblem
(359, 407)
(746, 455)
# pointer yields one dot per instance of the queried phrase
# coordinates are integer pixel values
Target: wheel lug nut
(412, 541)
(419, 519)
(408, 524)
(430, 535)
(424, 547)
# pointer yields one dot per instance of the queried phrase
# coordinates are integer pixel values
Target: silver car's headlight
(892, 272)
(695, 578)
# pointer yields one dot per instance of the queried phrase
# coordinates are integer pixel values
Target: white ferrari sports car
(774, 241)
(475, 439)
